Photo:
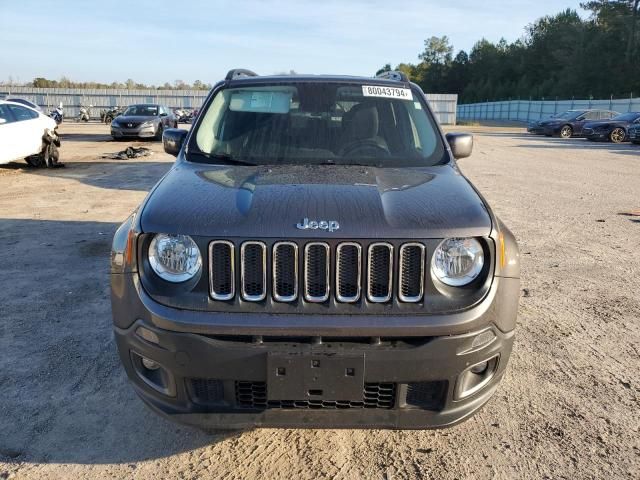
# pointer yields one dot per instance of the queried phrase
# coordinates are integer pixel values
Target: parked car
(26, 133)
(570, 123)
(143, 121)
(315, 259)
(28, 103)
(614, 130)
(536, 127)
(634, 134)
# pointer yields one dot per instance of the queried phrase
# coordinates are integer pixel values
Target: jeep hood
(263, 202)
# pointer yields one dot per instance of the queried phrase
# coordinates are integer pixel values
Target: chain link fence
(528, 110)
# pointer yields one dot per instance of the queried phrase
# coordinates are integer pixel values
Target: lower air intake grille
(374, 395)
(205, 391)
(427, 395)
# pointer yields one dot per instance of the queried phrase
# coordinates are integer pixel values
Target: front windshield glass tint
(142, 111)
(317, 123)
(567, 115)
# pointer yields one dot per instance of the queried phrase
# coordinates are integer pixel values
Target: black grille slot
(316, 272)
(374, 395)
(285, 271)
(205, 391)
(411, 275)
(254, 271)
(427, 395)
(348, 272)
(380, 280)
(221, 270)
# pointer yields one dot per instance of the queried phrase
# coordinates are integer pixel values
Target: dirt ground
(567, 408)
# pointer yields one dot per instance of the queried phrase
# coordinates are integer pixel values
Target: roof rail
(393, 75)
(239, 72)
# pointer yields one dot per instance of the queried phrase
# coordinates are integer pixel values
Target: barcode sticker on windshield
(392, 92)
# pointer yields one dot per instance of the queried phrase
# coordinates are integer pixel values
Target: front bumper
(220, 376)
(535, 129)
(138, 132)
(224, 382)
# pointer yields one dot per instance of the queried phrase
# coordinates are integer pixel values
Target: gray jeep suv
(315, 258)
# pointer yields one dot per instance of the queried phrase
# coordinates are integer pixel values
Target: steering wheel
(363, 148)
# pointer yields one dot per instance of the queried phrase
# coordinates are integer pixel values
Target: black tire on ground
(159, 132)
(175, 124)
(617, 135)
(566, 131)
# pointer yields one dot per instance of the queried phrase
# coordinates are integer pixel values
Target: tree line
(560, 56)
(64, 82)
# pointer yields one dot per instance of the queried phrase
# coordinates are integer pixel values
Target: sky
(157, 41)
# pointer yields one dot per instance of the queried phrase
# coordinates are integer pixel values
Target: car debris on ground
(129, 152)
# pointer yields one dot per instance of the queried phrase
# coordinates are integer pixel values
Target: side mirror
(164, 114)
(461, 144)
(172, 140)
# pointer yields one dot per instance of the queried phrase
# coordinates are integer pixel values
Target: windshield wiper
(225, 158)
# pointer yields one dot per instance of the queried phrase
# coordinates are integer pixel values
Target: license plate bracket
(315, 376)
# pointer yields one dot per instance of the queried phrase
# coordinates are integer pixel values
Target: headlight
(457, 261)
(175, 258)
(147, 124)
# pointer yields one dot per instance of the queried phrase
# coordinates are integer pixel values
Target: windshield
(318, 123)
(568, 114)
(626, 117)
(142, 111)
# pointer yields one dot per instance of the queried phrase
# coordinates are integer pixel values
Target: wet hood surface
(268, 202)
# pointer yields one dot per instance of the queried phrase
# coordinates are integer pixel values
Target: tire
(617, 135)
(159, 132)
(566, 131)
(175, 124)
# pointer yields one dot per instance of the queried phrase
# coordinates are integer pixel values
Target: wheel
(159, 132)
(566, 131)
(617, 135)
(175, 124)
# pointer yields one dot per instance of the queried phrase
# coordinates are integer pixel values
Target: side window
(21, 113)
(591, 116)
(5, 115)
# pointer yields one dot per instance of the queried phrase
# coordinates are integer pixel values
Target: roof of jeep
(243, 76)
(316, 79)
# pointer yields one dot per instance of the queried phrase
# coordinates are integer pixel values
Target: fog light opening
(478, 369)
(476, 377)
(149, 364)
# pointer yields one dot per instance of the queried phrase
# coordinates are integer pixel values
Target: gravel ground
(568, 406)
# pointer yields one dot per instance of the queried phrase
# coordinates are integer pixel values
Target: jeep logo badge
(307, 224)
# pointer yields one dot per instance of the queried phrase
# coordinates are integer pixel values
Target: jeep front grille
(411, 272)
(380, 263)
(316, 272)
(285, 271)
(289, 272)
(222, 270)
(253, 271)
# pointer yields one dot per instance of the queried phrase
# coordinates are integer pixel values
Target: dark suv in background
(570, 123)
(315, 258)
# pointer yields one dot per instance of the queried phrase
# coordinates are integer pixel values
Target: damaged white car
(27, 134)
